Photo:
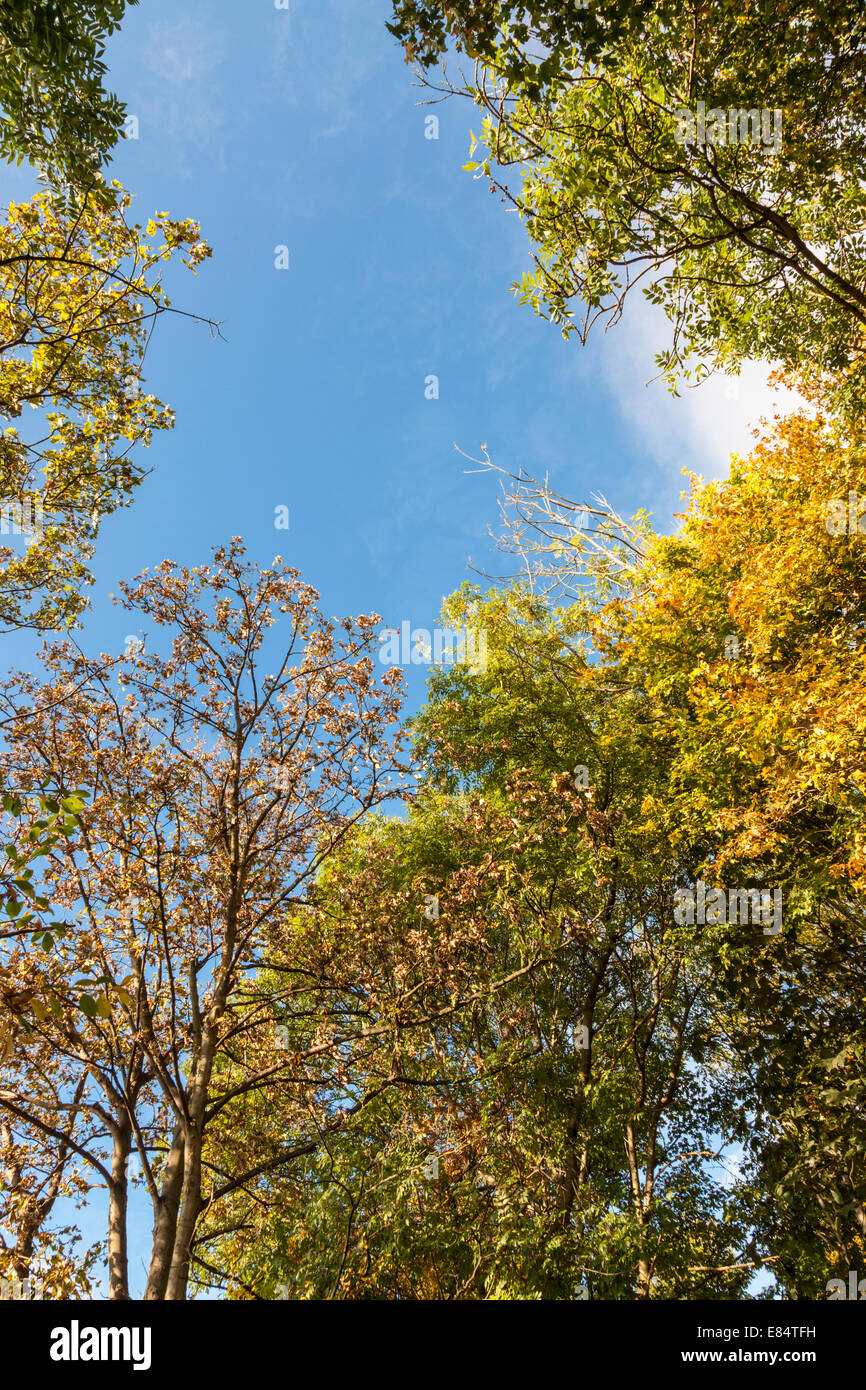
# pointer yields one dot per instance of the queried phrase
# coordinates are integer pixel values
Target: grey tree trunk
(165, 1220)
(118, 1198)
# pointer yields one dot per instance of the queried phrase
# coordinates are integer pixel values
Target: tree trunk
(190, 1210)
(165, 1220)
(118, 1198)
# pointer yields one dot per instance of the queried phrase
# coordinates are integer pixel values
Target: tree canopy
(54, 110)
(711, 155)
(80, 293)
(686, 717)
(554, 990)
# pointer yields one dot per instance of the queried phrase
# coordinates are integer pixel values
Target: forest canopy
(552, 986)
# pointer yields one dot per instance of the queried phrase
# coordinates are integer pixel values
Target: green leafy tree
(571, 1086)
(54, 109)
(746, 226)
(709, 686)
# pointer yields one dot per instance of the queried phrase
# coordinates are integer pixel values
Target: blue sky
(300, 127)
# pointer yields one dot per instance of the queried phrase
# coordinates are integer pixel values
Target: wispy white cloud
(181, 97)
(702, 427)
(332, 82)
(185, 50)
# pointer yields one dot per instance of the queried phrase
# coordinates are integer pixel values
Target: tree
(600, 1052)
(54, 110)
(571, 1085)
(711, 155)
(754, 628)
(80, 293)
(215, 791)
(744, 631)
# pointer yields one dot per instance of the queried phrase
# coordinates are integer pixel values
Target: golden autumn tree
(80, 292)
(743, 630)
(753, 630)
